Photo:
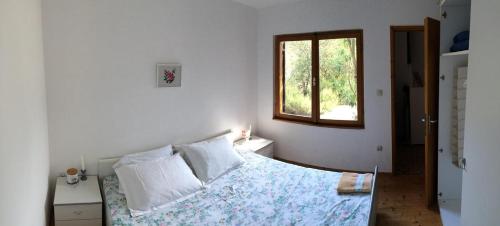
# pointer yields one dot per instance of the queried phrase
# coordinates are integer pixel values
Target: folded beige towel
(355, 183)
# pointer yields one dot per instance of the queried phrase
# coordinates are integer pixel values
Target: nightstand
(256, 144)
(79, 204)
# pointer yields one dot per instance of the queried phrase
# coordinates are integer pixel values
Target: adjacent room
(249, 112)
(408, 94)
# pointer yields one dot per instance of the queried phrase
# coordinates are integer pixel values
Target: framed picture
(168, 75)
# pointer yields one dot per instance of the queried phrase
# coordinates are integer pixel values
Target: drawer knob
(78, 212)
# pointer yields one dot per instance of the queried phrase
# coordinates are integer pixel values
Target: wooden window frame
(315, 115)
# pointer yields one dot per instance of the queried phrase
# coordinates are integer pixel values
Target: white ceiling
(259, 4)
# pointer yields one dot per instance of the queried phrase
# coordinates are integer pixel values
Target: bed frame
(105, 168)
(373, 199)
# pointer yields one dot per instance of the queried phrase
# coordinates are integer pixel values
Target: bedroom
(79, 78)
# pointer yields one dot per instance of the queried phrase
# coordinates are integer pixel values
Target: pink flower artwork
(169, 76)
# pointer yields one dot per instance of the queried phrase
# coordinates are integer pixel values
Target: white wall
(101, 69)
(24, 155)
(330, 147)
(480, 194)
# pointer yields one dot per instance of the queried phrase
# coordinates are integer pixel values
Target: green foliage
(329, 100)
(337, 75)
(296, 103)
(298, 65)
(298, 78)
(338, 69)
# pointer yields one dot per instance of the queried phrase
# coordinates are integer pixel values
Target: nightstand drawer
(267, 151)
(97, 222)
(78, 212)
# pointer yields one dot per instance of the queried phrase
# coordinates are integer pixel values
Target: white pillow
(153, 184)
(134, 158)
(211, 158)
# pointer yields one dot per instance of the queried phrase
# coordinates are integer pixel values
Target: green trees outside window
(319, 79)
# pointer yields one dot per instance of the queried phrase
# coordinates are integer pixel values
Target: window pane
(297, 78)
(337, 79)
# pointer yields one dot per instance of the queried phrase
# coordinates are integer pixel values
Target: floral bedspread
(261, 192)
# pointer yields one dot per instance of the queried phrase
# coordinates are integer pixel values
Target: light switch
(380, 92)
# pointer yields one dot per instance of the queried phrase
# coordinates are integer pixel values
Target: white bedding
(260, 192)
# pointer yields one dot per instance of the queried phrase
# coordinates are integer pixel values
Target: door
(431, 98)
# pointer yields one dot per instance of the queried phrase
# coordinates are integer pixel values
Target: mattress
(263, 191)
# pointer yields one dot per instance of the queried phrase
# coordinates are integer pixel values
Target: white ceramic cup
(72, 176)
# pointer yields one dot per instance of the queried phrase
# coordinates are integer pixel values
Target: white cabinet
(79, 204)
(455, 18)
(256, 144)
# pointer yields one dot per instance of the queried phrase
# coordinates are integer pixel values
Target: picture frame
(168, 75)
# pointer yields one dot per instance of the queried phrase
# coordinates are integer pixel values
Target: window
(319, 78)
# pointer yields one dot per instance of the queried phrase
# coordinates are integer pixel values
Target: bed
(261, 192)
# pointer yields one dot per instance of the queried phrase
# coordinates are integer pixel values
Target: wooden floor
(401, 202)
(410, 159)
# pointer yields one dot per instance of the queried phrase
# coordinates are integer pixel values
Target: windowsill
(333, 124)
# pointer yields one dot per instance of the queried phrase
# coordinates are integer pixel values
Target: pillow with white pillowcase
(134, 158)
(153, 184)
(211, 158)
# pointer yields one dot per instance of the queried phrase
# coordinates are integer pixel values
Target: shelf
(453, 2)
(458, 53)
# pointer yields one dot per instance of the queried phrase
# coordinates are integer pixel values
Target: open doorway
(408, 100)
(430, 87)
